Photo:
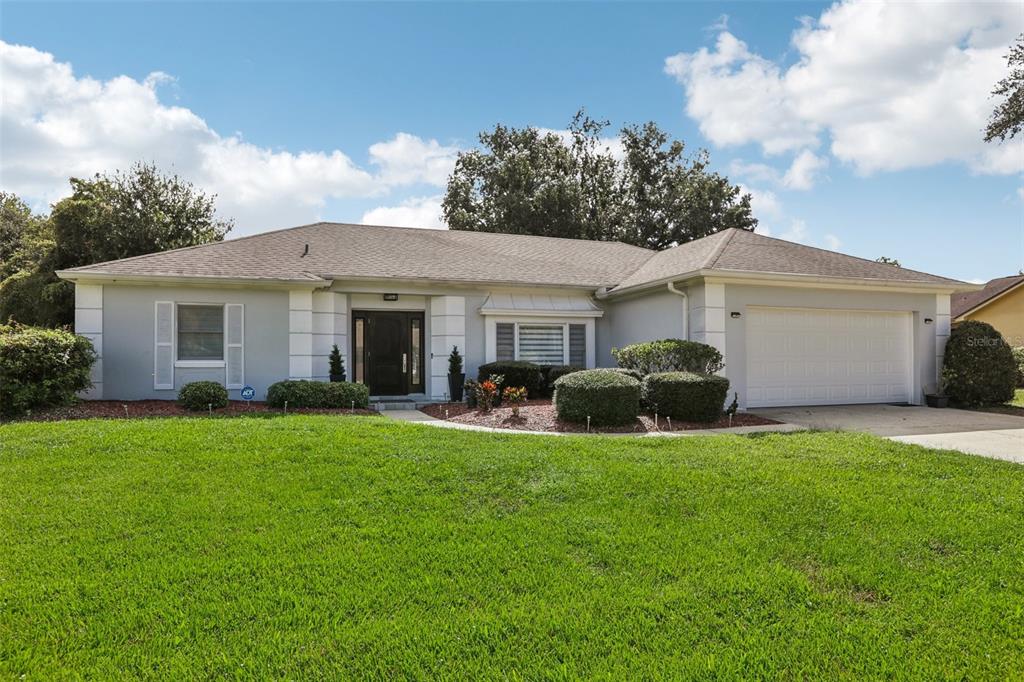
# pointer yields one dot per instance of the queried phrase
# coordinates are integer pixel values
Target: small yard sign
(248, 393)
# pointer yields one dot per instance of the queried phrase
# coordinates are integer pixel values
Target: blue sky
(856, 126)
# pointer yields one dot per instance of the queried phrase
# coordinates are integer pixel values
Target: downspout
(686, 309)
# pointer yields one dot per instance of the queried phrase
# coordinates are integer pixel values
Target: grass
(1018, 398)
(317, 546)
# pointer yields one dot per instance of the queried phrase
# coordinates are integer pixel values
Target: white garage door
(803, 356)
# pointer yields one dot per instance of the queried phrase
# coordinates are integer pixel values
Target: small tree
(337, 364)
(978, 368)
(455, 361)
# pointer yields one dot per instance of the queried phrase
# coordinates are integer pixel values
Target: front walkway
(1000, 436)
(422, 418)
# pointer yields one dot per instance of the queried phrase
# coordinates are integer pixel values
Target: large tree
(1008, 118)
(107, 217)
(641, 189)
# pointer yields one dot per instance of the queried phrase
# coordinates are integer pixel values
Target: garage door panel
(813, 357)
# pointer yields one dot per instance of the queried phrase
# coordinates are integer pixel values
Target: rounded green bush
(318, 394)
(979, 367)
(686, 396)
(551, 374)
(669, 355)
(1018, 357)
(41, 367)
(607, 397)
(200, 395)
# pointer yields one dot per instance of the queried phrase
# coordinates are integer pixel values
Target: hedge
(686, 396)
(41, 367)
(320, 394)
(201, 395)
(669, 355)
(551, 374)
(516, 373)
(607, 397)
(979, 367)
(1018, 357)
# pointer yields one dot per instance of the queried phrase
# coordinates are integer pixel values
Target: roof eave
(791, 279)
(991, 299)
(88, 277)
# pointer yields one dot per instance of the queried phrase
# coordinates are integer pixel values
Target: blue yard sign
(248, 393)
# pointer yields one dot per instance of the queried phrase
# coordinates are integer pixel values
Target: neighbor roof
(328, 251)
(343, 251)
(964, 303)
(742, 251)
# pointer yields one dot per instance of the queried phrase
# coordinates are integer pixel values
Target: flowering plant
(487, 390)
(514, 396)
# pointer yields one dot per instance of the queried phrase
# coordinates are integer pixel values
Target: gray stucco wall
(658, 315)
(128, 328)
(739, 297)
(473, 355)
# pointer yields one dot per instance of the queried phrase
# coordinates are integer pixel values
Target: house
(796, 325)
(1000, 303)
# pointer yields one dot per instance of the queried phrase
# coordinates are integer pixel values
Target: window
(544, 344)
(201, 332)
(578, 345)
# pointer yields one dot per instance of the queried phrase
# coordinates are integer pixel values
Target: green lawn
(319, 546)
(1018, 398)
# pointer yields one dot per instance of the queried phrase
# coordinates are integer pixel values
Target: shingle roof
(962, 303)
(344, 251)
(742, 251)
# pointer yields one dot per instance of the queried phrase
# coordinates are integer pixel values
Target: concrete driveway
(979, 433)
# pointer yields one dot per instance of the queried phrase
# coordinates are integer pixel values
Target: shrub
(685, 395)
(1018, 357)
(979, 366)
(514, 396)
(41, 367)
(607, 397)
(455, 361)
(199, 395)
(627, 372)
(318, 394)
(516, 373)
(669, 355)
(336, 364)
(552, 373)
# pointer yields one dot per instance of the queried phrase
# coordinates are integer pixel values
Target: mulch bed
(539, 415)
(139, 409)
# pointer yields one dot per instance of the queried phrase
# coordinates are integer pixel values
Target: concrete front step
(386, 405)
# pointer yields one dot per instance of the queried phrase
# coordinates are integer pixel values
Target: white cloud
(891, 85)
(408, 159)
(797, 232)
(832, 242)
(55, 125)
(763, 202)
(414, 212)
(804, 170)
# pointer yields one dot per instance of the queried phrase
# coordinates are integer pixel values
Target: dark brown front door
(388, 351)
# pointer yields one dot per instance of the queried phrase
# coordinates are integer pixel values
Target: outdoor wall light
(734, 316)
(927, 320)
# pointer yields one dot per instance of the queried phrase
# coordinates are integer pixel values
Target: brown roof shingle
(962, 303)
(345, 251)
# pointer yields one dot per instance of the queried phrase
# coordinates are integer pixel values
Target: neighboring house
(1000, 303)
(797, 325)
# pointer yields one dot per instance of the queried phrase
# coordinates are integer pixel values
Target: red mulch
(137, 409)
(539, 415)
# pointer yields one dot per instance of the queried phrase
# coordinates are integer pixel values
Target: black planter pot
(937, 400)
(455, 384)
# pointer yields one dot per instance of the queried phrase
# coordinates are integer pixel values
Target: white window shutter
(163, 351)
(234, 333)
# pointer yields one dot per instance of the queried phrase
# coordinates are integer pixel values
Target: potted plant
(337, 364)
(456, 377)
(936, 398)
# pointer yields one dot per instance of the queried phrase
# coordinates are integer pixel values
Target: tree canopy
(640, 188)
(106, 217)
(1008, 118)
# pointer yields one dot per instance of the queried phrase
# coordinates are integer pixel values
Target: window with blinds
(200, 332)
(506, 333)
(544, 345)
(578, 345)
